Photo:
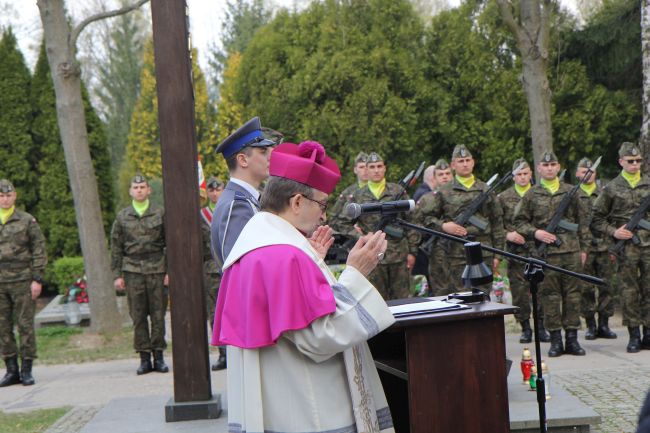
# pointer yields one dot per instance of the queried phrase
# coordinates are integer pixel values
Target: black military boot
(12, 376)
(634, 345)
(526, 333)
(159, 362)
(221, 362)
(544, 337)
(145, 363)
(645, 343)
(556, 344)
(603, 328)
(591, 333)
(572, 347)
(26, 372)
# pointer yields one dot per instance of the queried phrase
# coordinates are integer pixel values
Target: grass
(63, 345)
(31, 422)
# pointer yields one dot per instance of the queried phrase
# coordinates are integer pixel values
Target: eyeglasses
(634, 161)
(321, 204)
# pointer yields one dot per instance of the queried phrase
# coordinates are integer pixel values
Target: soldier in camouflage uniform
(22, 262)
(211, 270)
(139, 266)
(598, 263)
(438, 268)
(337, 220)
(613, 208)
(450, 200)
(560, 294)
(391, 277)
(517, 244)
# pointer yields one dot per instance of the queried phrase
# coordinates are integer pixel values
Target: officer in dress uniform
(248, 153)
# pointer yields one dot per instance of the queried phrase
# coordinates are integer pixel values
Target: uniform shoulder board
(240, 196)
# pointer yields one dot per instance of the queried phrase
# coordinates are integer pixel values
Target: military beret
(518, 162)
(461, 151)
(6, 186)
(250, 134)
(441, 164)
(214, 183)
(374, 157)
(361, 157)
(585, 163)
(139, 178)
(548, 156)
(629, 149)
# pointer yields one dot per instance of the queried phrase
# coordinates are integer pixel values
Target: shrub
(65, 271)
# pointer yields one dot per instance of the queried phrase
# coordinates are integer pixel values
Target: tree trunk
(644, 140)
(531, 31)
(72, 125)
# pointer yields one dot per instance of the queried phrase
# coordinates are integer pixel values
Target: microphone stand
(534, 273)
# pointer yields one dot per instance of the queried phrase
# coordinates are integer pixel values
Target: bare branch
(505, 6)
(74, 35)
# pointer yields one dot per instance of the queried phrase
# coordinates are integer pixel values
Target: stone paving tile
(616, 394)
(74, 420)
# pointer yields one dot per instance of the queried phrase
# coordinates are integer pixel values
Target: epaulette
(240, 196)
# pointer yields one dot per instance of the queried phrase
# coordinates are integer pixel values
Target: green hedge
(65, 271)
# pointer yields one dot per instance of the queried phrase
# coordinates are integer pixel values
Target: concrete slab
(147, 415)
(54, 313)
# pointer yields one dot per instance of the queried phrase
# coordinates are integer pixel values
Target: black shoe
(645, 343)
(603, 328)
(26, 372)
(526, 333)
(159, 362)
(221, 362)
(544, 336)
(145, 363)
(634, 345)
(591, 333)
(557, 349)
(572, 347)
(12, 377)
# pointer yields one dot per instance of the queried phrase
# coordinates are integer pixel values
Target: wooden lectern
(445, 372)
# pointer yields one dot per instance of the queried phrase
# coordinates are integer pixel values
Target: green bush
(65, 271)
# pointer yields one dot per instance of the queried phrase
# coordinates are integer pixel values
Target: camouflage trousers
(599, 265)
(520, 290)
(439, 271)
(634, 280)
(146, 299)
(211, 283)
(392, 280)
(16, 302)
(560, 294)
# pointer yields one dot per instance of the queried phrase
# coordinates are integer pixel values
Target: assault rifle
(636, 221)
(467, 216)
(557, 220)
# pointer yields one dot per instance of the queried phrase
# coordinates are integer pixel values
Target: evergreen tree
(230, 113)
(143, 146)
(16, 148)
(55, 209)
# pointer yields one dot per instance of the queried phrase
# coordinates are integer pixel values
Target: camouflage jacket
(538, 206)
(22, 248)
(337, 220)
(451, 200)
(138, 242)
(509, 199)
(598, 243)
(209, 263)
(400, 241)
(616, 204)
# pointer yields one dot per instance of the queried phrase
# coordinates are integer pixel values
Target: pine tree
(17, 154)
(55, 209)
(143, 146)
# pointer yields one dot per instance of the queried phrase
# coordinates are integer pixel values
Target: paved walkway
(609, 380)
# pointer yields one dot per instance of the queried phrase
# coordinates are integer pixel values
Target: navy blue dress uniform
(239, 201)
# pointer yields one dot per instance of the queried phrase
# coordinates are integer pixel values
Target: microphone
(355, 210)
